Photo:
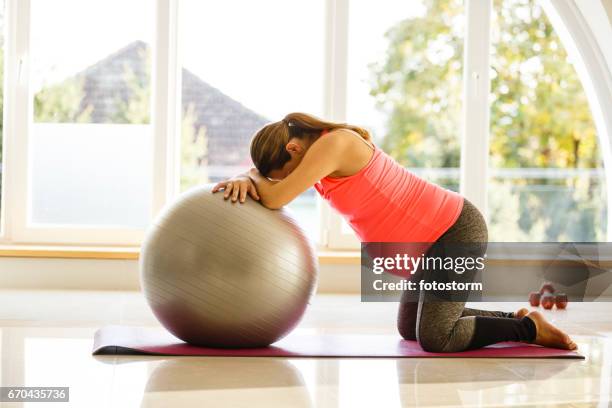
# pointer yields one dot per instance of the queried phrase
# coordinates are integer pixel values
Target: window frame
(336, 97)
(11, 76)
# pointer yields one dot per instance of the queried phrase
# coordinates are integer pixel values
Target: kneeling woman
(383, 202)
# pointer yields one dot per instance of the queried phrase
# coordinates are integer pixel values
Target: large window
(90, 132)
(546, 179)
(240, 72)
(112, 108)
(404, 81)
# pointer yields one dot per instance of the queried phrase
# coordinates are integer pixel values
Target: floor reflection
(480, 382)
(193, 382)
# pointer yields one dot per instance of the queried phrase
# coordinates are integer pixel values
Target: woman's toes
(548, 335)
(570, 343)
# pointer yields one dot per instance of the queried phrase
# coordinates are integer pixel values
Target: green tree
(419, 85)
(194, 151)
(539, 114)
(136, 107)
(61, 103)
(540, 118)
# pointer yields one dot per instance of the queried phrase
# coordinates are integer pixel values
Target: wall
(94, 274)
(98, 274)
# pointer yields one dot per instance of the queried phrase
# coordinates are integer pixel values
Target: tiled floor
(46, 340)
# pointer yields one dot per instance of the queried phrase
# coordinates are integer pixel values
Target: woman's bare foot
(522, 312)
(548, 335)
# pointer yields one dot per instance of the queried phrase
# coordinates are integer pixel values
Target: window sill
(328, 257)
(325, 256)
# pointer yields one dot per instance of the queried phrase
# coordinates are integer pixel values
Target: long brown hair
(268, 145)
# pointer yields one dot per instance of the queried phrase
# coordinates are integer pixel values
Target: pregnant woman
(384, 202)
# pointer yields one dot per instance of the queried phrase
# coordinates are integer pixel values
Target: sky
(368, 23)
(67, 36)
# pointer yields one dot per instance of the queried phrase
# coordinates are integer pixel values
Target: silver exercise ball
(222, 274)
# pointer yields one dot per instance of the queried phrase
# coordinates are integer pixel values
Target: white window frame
(166, 114)
(12, 66)
(335, 104)
(474, 165)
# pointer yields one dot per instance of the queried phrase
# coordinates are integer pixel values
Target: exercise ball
(223, 274)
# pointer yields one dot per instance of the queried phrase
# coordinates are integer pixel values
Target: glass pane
(240, 73)
(547, 180)
(404, 81)
(2, 12)
(90, 140)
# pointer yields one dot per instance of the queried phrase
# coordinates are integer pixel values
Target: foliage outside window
(546, 181)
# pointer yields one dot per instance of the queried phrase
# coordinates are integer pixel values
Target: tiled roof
(229, 125)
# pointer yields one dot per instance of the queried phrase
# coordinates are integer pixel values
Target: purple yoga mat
(114, 340)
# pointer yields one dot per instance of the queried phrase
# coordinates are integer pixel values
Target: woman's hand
(237, 188)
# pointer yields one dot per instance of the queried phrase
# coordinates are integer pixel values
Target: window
(404, 85)
(546, 179)
(90, 132)
(404, 76)
(412, 100)
(241, 72)
(90, 152)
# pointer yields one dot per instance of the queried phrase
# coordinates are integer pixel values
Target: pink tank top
(384, 202)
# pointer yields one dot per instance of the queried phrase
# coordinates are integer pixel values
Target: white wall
(99, 274)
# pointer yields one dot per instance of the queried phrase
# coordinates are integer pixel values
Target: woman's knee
(431, 340)
(406, 330)
(407, 317)
(441, 338)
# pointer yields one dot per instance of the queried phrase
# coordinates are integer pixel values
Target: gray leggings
(444, 326)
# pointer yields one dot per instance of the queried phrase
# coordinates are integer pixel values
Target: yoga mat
(124, 340)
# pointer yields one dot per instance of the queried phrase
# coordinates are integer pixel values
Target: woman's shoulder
(346, 134)
(341, 132)
(348, 138)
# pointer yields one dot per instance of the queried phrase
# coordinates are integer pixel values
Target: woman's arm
(320, 160)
